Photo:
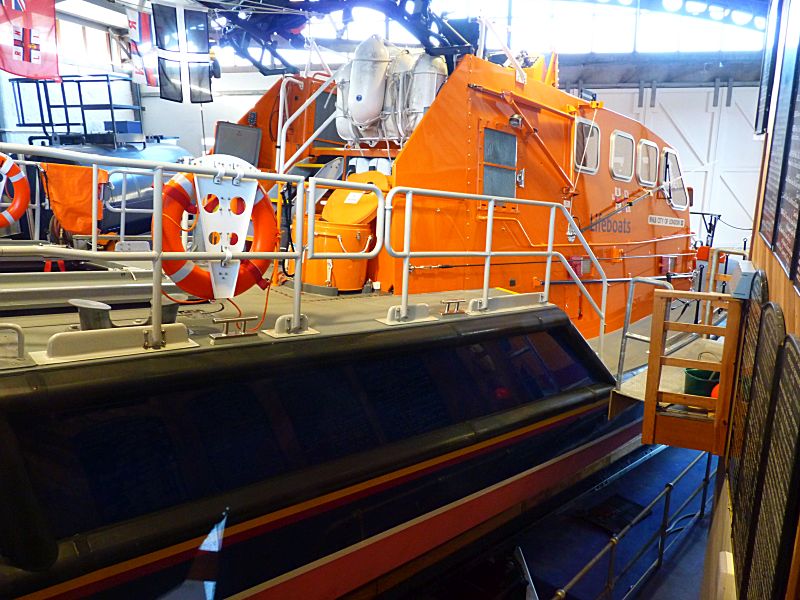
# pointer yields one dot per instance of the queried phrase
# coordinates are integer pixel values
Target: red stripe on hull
(353, 567)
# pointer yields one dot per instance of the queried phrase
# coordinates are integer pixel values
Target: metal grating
(759, 294)
(771, 335)
(778, 487)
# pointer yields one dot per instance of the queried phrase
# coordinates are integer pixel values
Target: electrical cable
(734, 226)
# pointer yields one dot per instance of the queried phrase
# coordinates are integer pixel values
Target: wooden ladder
(701, 423)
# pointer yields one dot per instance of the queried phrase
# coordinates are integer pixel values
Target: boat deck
(328, 315)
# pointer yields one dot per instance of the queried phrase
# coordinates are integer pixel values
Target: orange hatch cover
(352, 207)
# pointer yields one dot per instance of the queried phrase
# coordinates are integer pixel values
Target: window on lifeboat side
(672, 181)
(622, 151)
(587, 146)
(647, 163)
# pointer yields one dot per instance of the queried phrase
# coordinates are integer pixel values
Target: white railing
(156, 256)
(305, 205)
(282, 164)
(406, 254)
(35, 208)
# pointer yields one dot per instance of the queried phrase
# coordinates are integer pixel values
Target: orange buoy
(179, 196)
(22, 191)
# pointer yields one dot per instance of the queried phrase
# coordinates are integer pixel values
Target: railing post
(95, 177)
(123, 206)
(406, 254)
(156, 339)
(612, 559)
(37, 212)
(549, 265)
(664, 524)
(299, 212)
(706, 479)
(487, 260)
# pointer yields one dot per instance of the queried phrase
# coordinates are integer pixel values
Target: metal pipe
(156, 339)
(706, 479)
(313, 183)
(299, 210)
(307, 143)
(283, 131)
(664, 523)
(20, 337)
(550, 238)
(281, 108)
(37, 210)
(487, 262)
(123, 206)
(406, 253)
(712, 275)
(627, 323)
(85, 158)
(95, 174)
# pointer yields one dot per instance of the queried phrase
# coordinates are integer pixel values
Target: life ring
(22, 191)
(179, 197)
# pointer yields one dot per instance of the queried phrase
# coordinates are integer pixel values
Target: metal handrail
(487, 254)
(711, 285)
(36, 206)
(156, 256)
(380, 233)
(668, 526)
(280, 167)
(623, 343)
(304, 206)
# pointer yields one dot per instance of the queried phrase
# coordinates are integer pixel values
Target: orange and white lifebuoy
(179, 196)
(22, 191)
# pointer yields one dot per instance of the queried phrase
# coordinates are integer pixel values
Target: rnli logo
(611, 226)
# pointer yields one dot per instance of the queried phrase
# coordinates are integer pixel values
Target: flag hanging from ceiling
(28, 38)
(143, 50)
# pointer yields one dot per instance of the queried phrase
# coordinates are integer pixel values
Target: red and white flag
(28, 38)
(143, 50)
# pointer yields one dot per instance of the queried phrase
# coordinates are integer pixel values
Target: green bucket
(699, 381)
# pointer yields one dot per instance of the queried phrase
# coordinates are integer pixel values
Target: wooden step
(685, 432)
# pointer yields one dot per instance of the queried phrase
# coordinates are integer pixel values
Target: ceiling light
(760, 23)
(672, 5)
(739, 17)
(716, 12)
(625, 2)
(695, 8)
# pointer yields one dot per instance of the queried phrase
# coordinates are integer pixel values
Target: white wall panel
(719, 154)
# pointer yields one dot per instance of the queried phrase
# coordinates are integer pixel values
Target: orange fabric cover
(69, 189)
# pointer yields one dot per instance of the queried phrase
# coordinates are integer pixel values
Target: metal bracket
(148, 345)
(510, 302)
(285, 328)
(416, 313)
(20, 337)
(239, 328)
(452, 306)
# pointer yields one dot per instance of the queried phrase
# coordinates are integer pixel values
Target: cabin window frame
(617, 133)
(669, 197)
(639, 153)
(500, 205)
(593, 126)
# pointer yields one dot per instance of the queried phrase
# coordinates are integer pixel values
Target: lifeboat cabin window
(647, 164)
(499, 164)
(622, 149)
(587, 146)
(672, 181)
